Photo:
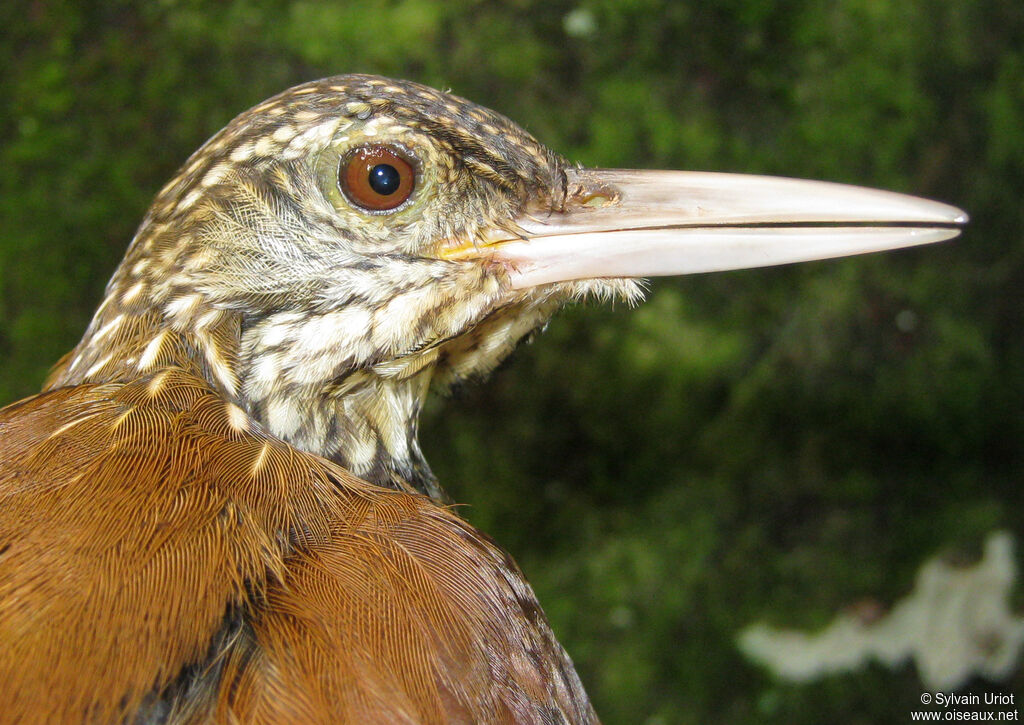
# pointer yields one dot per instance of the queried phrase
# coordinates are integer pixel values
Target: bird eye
(376, 178)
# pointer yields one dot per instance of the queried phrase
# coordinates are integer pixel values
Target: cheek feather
(392, 322)
(276, 330)
(327, 341)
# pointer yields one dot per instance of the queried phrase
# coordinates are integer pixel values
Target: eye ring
(376, 178)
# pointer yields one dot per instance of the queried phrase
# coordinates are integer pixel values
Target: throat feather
(369, 425)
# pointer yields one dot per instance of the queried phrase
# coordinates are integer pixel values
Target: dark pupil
(384, 179)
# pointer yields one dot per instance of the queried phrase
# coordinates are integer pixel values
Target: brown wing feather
(162, 558)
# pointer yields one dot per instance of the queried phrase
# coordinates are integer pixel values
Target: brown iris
(376, 178)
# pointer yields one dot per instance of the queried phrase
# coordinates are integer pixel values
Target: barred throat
(366, 417)
(367, 423)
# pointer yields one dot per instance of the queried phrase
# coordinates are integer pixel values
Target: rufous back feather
(141, 522)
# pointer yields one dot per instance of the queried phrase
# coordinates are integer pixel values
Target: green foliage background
(772, 444)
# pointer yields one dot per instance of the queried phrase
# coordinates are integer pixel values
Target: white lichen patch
(955, 625)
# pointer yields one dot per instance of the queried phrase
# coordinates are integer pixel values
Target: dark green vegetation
(772, 444)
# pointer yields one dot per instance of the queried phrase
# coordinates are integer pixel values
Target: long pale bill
(621, 223)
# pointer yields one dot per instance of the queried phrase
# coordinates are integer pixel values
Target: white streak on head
(264, 377)
(207, 319)
(265, 147)
(391, 323)
(108, 328)
(200, 259)
(394, 406)
(98, 366)
(283, 134)
(132, 292)
(182, 309)
(125, 415)
(71, 424)
(346, 330)
(189, 200)
(318, 370)
(316, 136)
(275, 331)
(103, 306)
(193, 167)
(152, 351)
(361, 453)
(215, 175)
(242, 153)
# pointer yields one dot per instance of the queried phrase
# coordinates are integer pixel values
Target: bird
(217, 509)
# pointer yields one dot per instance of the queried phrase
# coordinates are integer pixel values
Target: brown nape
(199, 519)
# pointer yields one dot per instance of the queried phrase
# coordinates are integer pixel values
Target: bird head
(339, 247)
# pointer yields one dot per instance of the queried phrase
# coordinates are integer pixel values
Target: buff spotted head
(336, 249)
